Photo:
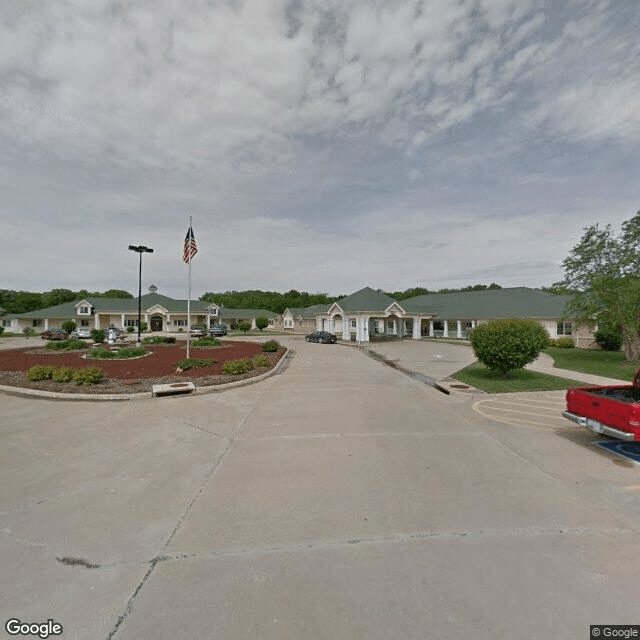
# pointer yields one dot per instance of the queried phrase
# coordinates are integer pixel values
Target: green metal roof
(245, 313)
(366, 299)
(308, 312)
(520, 302)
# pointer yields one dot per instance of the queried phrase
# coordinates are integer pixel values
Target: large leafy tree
(604, 269)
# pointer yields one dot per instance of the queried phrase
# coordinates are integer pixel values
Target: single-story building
(367, 312)
(161, 313)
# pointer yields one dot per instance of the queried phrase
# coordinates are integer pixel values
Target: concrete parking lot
(338, 499)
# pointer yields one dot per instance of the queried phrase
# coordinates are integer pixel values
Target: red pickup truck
(611, 411)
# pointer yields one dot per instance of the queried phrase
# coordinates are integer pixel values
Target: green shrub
(236, 367)
(71, 344)
(40, 372)
(244, 326)
(28, 331)
(609, 339)
(564, 343)
(130, 352)
(102, 352)
(260, 361)
(130, 329)
(1, 330)
(159, 340)
(180, 330)
(194, 363)
(88, 375)
(63, 374)
(507, 344)
(271, 345)
(68, 326)
(143, 327)
(97, 335)
(262, 322)
(206, 342)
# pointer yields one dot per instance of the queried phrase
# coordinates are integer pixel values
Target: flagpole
(189, 291)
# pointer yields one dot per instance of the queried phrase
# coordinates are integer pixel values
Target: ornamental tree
(508, 344)
(604, 269)
(262, 322)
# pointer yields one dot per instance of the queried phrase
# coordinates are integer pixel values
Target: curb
(21, 392)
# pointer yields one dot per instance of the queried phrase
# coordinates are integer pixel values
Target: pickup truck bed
(611, 411)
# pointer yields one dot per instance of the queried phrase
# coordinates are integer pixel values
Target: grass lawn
(478, 376)
(610, 364)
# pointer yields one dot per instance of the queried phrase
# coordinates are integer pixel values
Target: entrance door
(155, 322)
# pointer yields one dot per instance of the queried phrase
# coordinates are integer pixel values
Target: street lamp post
(140, 250)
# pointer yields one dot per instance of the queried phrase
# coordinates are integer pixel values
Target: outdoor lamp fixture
(141, 249)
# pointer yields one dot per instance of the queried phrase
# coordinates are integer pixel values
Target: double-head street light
(141, 249)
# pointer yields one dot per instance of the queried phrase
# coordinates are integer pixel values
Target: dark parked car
(321, 336)
(54, 334)
(218, 330)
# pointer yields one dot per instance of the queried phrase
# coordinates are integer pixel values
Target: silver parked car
(81, 332)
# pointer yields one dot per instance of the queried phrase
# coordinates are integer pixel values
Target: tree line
(24, 301)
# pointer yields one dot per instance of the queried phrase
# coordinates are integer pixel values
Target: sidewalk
(544, 364)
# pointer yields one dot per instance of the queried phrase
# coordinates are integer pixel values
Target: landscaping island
(136, 375)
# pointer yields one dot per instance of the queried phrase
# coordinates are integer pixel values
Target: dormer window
(213, 311)
(84, 311)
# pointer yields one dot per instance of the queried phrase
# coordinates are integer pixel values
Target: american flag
(190, 248)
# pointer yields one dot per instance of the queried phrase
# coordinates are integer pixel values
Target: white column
(96, 321)
(146, 319)
(459, 330)
(431, 328)
(122, 320)
(446, 329)
(46, 324)
(473, 324)
(318, 323)
(416, 328)
(365, 329)
(253, 323)
(330, 329)
(346, 328)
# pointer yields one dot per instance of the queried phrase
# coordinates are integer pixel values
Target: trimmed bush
(236, 367)
(206, 342)
(63, 374)
(609, 339)
(71, 344)
(68, 326)
(563, 343)
(1, 330)
(130, 329)
(89, 375)
(194, 363)
(262, 322)
(244, 326)
(271, 346)
(40, 372)
(97, 335)
(28, 331)
(260, 361)
(121, 354)
(159, 340)
(508, 344)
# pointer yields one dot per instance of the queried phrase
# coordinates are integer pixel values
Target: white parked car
(81, 332)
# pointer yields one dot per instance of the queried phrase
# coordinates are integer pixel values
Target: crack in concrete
(157, 559)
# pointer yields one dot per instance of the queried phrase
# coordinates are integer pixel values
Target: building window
(6, 323)
(180, 323)
(288, 323)
(84, 323)
(353, 324)
(84, 311)
(37, 323)
(130, 323)
(563, 329)
(213, 312)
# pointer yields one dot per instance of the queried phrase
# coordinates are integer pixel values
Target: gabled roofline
(398, 305)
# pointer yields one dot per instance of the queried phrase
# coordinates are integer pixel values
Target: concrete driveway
(339, 499)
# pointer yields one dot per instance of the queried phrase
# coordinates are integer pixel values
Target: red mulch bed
(132, 376)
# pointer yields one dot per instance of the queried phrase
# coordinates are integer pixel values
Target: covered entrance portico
(367, 313)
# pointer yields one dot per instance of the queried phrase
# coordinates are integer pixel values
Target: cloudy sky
(319, 145)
